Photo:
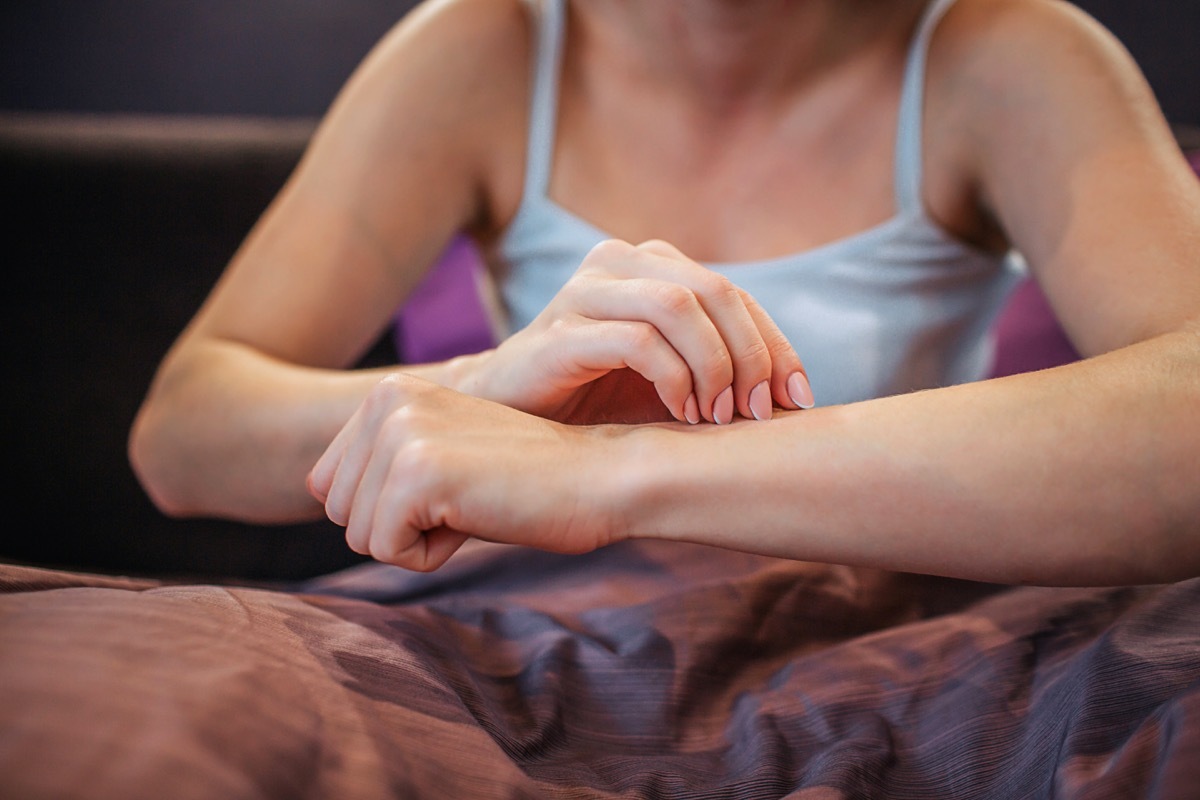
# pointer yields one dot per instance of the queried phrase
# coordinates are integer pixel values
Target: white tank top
(899, 307)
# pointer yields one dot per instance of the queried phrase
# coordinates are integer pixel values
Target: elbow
(147, 449)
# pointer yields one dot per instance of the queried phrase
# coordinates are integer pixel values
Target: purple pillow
(445, 317)
(1028, 336)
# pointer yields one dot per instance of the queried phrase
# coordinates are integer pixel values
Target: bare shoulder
(470, 47)
(1065, 149)
(1021, 92)
(1021, 58)
(442, 93)
(1024, 32)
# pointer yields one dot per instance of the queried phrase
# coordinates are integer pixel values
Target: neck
(727, 53)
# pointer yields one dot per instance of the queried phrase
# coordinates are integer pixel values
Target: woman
(859, 169)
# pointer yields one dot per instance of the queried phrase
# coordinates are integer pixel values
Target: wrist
(643, 480)
(728, 486)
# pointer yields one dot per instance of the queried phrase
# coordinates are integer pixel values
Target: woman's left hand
(418, 469)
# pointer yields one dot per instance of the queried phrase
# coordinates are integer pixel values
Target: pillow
(446, 316)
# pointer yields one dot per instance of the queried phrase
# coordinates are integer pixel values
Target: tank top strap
(909, 161)
(550, 24)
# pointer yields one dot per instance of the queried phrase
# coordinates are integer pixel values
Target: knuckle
(718, 289)
(410, 424)
(675, 299)
(560, 328)
(419, 453)
(383, 394)
(781, 350)
(717, 369)
(398, 422)
(782, 342)
(607, 250)
(658, 246)
(677, 375)
(385, 548)
(418, 473)
(756, 355)
(639, 336)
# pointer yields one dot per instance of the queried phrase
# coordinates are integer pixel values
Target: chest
(723, 190)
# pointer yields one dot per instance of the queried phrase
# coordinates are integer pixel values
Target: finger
(360, 441)
(424, 552)
(404, 511)
(320, 477)
(384, 476)
(598, 347)
(743, 341)
(723, 303)
(440, 544)
(789, 380)
(676, 313)
(346, 472)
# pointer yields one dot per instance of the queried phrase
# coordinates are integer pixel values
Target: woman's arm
(1084, 474)
(256, 387)
(1052, 477)
(1068, 154)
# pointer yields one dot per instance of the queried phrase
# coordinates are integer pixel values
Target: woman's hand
(420, 468)
(646, 314)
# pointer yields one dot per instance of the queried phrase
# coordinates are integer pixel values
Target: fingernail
(723, 407)
(799, 390)
(760, 401)
(691, 409)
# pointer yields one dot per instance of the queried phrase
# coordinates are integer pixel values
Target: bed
(645, 670)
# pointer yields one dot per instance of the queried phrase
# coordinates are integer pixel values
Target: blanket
(643, 670)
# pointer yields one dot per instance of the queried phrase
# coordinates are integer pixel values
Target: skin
(733, 131)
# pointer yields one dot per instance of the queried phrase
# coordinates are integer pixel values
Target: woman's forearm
(1085, 474)
(227, 431)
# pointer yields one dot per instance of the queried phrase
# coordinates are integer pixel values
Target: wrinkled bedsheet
(644, 670)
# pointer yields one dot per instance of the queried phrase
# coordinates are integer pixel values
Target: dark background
(288, 57)
(115, 239)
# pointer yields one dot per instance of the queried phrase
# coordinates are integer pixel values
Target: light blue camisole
(899, 307)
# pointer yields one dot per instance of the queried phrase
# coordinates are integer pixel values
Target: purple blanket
(645, 670)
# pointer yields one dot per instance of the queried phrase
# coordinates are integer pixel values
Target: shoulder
(439, 100)
(1063, 146)
(466, 32)
(1030, 56)
(1021, 92)
(456, 52)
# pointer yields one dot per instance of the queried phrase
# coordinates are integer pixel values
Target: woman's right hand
(635, 317)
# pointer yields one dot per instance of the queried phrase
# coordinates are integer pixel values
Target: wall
(257, 57)
(288, 57)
